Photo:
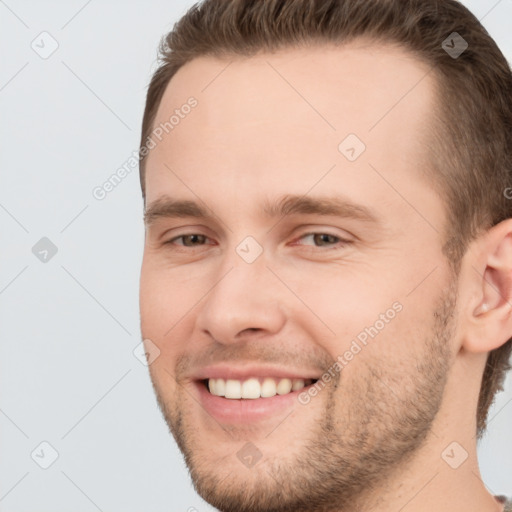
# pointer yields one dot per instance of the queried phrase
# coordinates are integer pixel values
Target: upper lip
(230, 371)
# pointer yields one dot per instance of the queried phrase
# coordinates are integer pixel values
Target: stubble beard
(350, 453)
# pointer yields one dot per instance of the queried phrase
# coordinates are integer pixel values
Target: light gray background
(69, 326)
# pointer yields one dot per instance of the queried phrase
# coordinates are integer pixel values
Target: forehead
(261, 120)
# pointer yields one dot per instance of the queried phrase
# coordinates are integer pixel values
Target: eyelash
(340, 240)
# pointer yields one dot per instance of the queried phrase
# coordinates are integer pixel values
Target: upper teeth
(253, 387)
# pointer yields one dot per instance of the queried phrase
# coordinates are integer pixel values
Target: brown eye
(320, 239)
(190, 240)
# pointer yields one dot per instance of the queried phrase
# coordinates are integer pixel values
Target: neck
(443, 475)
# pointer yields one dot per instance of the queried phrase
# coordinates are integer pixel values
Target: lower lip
(244, 411)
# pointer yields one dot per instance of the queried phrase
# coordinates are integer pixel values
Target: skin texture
(373, 438)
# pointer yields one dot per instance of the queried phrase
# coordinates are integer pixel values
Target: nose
(245, 302)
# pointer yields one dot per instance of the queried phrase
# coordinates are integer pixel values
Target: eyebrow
(167, 207)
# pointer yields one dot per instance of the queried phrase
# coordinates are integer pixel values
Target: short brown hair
(471, 142)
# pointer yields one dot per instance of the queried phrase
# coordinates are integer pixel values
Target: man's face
(312, 250)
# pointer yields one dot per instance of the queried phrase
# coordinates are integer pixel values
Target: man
(327, 274)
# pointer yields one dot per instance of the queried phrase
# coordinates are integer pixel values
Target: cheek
(153, 301)
(360, 313)
(340, 301)
(167, 299)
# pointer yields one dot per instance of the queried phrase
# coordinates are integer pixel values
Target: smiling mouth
(255, 387)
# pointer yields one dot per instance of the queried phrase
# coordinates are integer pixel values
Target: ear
(488, 312)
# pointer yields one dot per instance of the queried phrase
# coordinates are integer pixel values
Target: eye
(322, 240)
(315, 239)
(191, 240)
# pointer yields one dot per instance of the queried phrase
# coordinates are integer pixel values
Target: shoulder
(507, 502)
